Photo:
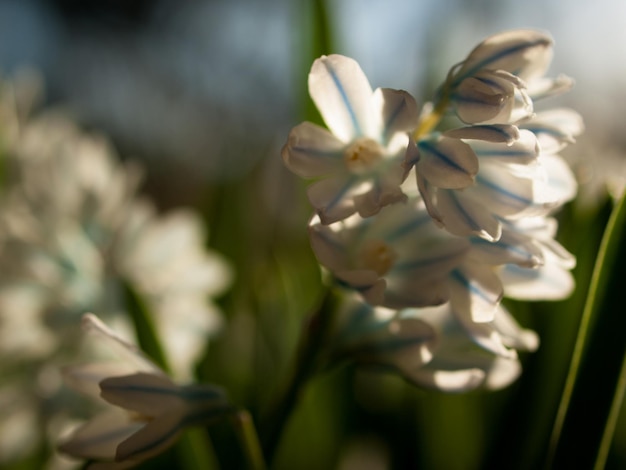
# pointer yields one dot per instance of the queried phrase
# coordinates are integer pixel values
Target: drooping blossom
(147, 411)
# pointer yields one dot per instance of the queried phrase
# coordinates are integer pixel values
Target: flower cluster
(75, 236)
(433, 225)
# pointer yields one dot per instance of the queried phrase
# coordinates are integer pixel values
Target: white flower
(74, 229)
(555, 128)
(377, 336)
(510, 182)
(459, 363)
(550, 279)
(360, 157)
(73, 234)
(501, 77)
(150, 410)
(165, 259)
(397, 259)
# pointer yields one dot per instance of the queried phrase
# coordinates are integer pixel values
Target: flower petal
(542, 87)
(527, 53)
(86, 378)
(452, 381)
(502, 133)
(475, 292)
(561, 185)
(490, 97)
(511, 248)
(513, 335)
(154, 438)
(503, 192)
(398, 110)
(385, 190)
(343, 96)
(99, 437)
(523, 150)
(501, 373)
(549, 282)
(463, 216)
(146, 394)
(555, 128)
(332, 197)
(312, 151)
(447, 162)
(128, 351)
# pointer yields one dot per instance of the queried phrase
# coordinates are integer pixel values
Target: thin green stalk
(195, 450)
(607, 436)
(596, 368)
(307, 363)
(144, 327)
(249, 440)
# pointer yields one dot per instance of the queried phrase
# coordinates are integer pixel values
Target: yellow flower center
(362, 154)
(377, 256)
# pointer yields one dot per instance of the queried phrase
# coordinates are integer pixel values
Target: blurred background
(203, 94)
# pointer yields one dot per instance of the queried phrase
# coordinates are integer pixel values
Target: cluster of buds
(430, 226)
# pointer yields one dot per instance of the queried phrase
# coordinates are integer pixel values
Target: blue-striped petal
(523, 150)
(398, 110)
(146, 394)
(526, 53)
(548, 282)
(313, 151)
(98, 438)
(447, 162)
(475, 292)
(154, 438)
(500, 133)
(332, 197)
(343, 96)
(464, 216)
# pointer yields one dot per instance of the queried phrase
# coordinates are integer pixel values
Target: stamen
(377, 256)
(362, 154)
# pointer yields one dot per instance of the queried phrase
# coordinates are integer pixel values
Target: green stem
(307, 362)
(144, 327)
(430, 121)
(593, 382)
(248, 437)
(607, 436)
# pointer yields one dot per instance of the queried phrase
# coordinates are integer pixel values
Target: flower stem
(145, 328)
(248, 437)
(430, 121)
(586, 415)
(306, 364)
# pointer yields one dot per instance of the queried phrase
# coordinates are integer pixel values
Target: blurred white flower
(149, 410)
(73, 234)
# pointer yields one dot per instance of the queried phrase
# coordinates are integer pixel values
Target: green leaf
(144, 327)
(585, 416)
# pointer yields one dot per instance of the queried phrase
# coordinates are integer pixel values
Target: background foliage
(204, 93)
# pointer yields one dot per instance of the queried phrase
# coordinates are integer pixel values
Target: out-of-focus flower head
(149, 410)
(74, 234)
